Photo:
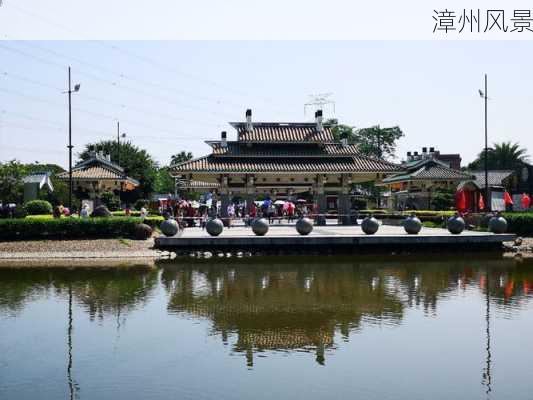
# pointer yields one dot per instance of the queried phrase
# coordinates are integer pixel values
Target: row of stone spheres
(370, 225)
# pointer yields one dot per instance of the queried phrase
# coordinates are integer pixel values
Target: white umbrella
(279, 202)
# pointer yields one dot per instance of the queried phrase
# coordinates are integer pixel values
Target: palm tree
(504, 155)
(180, 157)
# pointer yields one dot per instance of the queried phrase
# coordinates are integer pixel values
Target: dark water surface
(270, 328)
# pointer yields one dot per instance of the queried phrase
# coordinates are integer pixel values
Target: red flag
(526, 201)
(460, 200)
(507, 198)
(481, 202)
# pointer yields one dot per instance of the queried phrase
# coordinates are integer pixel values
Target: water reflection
(290, 305)
(260, 307)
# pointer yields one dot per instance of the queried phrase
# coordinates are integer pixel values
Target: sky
(172, 95)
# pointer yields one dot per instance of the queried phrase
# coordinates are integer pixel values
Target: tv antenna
(318, 101)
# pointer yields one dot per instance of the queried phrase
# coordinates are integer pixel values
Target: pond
(262, 328)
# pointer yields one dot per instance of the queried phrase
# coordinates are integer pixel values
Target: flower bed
(71, 228)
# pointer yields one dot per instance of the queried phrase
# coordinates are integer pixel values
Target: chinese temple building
(422, 175)
(282, 161)
(98, 175)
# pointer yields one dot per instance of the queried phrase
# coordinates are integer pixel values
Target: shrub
(141, 203)
(36, 207)
(110, 200)
(72, 228)
(142, 231)
(101, 211)
(20, 212)
(443, 199)
(520, 223)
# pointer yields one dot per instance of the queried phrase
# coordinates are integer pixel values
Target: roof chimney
(424, 149)
(432, 149)
(249, 127)
(223, 139)
(318, 120)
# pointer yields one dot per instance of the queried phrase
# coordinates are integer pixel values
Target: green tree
(11, 185)
(164, 182)
(373, 141)
(137, 164)
(180, 157)
(505, 155)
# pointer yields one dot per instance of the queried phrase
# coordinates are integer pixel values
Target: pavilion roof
(283, 132)
(353, 164)
(239, 149)
(496, 178)
(428, 169)
(97, 168)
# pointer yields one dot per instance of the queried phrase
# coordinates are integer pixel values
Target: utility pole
(118, 142)
(70, 91)
(487, 190)
(69, 143)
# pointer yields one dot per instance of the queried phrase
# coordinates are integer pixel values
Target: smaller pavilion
(98, 175)
(35, 182)
(422, 176)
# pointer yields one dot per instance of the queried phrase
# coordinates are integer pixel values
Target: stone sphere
(412, 225)
(498, 224)
(260, 226)
(304, 226)
(142, 232)
(370, 225)
(214, 227)
(455, 224)
(169, 227)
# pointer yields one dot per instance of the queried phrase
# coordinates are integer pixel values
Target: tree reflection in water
(277, 304)
(287, 305)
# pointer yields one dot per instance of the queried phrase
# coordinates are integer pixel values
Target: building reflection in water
(302, 306)
(278, 304)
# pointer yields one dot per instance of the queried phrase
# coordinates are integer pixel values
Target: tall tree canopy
(137, 163)
(180, 157)
(374, 141)
(505, 155)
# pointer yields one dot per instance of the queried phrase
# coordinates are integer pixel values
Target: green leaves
(504, 155)
(374, 141)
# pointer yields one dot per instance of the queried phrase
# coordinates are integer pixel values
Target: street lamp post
(119, 135)
(70, 91)
(484, 95)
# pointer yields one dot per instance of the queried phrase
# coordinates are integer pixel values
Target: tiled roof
(96, 169)
(496, 178)
(239, 149)
(430, 170)
(282, 132)
(212, 164)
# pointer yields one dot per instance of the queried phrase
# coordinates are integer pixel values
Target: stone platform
(331, 239)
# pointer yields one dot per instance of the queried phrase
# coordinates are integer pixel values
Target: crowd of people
(193, 213)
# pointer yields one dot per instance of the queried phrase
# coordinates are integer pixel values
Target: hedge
(72, 228)
(520, 223)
